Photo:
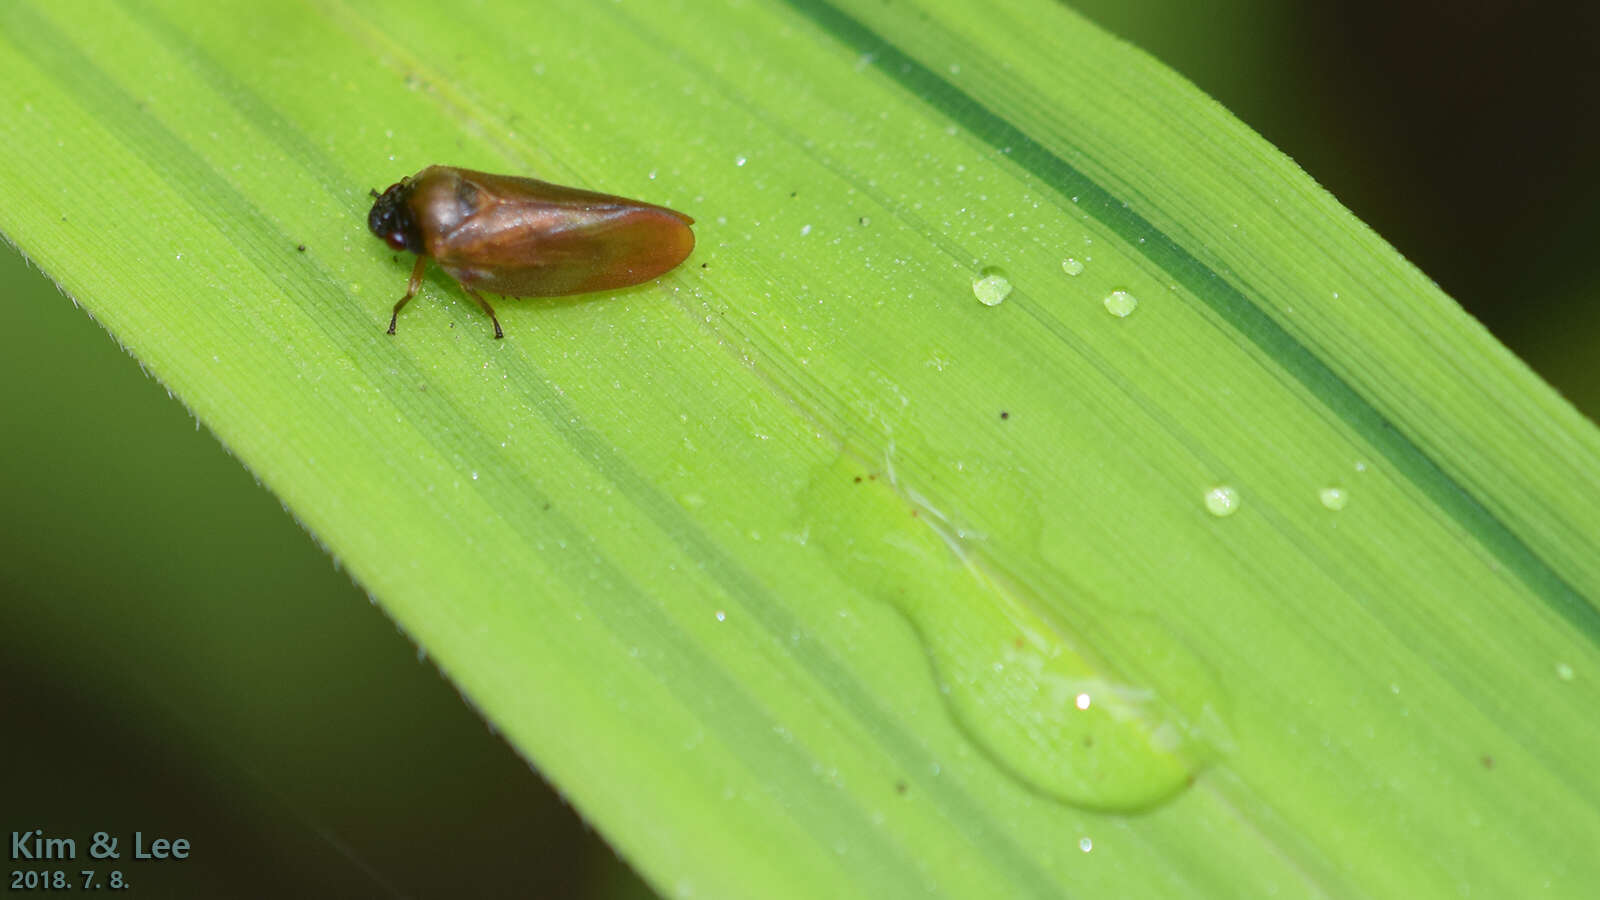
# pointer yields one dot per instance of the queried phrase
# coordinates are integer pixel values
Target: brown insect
(519, 237)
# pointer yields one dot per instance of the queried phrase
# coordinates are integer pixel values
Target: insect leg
(411, 290)
(486, 308)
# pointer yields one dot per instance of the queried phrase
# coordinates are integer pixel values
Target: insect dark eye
(396, 240)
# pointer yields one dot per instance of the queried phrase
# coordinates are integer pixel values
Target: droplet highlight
(991, 287)
(1121, 303)
(1222, 501)
(1334, 498)
(1072, 266)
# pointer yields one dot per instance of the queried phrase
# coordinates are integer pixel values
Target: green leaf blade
(598, 527)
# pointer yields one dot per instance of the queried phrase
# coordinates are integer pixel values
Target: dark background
(179, 657)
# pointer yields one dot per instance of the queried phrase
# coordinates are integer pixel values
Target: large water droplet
(1072, 266)
(991, 286)
(1112, 714)
(1334, 498)
(1121, 304)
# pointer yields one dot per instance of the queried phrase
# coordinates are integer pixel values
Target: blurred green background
(180, 658)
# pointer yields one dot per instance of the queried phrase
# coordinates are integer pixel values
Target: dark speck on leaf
(301, 247)
(1004, 414)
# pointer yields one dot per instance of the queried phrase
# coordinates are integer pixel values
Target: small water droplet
(1085, 844)
(1121, 303)
(722, 616)
(1564, 672)
(1333, 498)
(805, 230)
(1222, 500)
(474, 476)
(991, 286)
(740, 160)
(1072, 266)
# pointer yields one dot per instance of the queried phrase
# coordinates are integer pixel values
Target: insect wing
(530, 238)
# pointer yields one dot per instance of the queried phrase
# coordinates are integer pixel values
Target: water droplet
(1333, 498)
(1085, 844)
(805, 230)
(1115, 714)
(740, 160)
(1072, 266)
(722, 616)
(991, 286)
(474, 476)
(1564, 672)
(1222, 500)
(1121, 303)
